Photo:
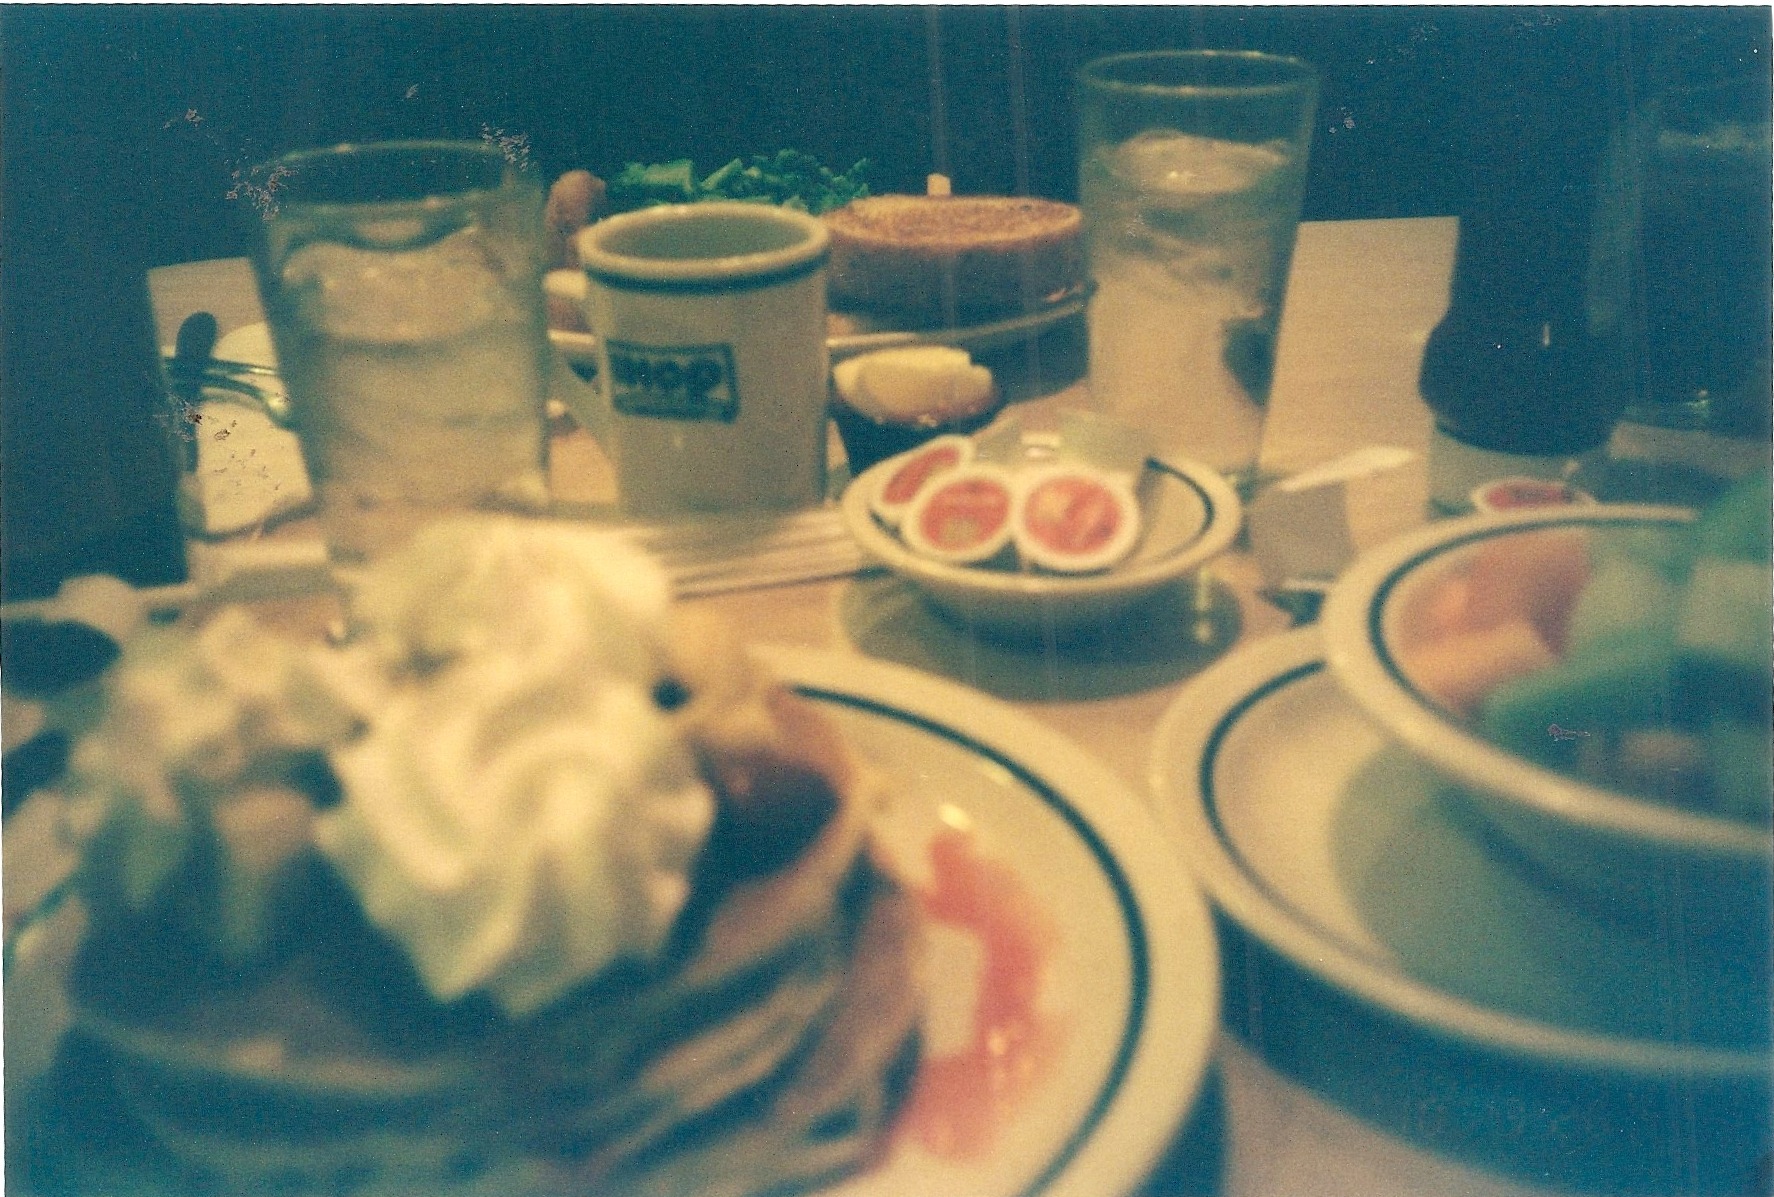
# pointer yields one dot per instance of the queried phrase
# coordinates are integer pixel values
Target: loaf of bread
(929, 260)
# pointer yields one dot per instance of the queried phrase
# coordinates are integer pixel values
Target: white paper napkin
(249, 470)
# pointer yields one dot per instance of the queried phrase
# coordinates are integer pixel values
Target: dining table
(1362, 298)
(1361, 302)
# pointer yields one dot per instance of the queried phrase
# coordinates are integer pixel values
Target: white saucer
(1381, 952)
(1334, 849)
(853, 332)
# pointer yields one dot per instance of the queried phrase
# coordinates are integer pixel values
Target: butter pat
(924, 384)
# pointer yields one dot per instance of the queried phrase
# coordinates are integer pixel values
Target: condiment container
(1071, 518)
(913, 469)
(964, 517)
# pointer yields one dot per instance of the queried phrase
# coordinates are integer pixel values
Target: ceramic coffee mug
(712, 360)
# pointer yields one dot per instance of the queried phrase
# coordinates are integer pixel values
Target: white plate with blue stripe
(1338, 849)
(1123, 1001)
(1404, 962)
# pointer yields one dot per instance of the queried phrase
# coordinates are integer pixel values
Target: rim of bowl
(1224, 515)
(1353, 617)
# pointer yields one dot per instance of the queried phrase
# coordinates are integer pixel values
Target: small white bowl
(1652, 862)
(1189, 513)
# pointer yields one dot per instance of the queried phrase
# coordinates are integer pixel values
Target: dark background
(123, 130)
(181, 97)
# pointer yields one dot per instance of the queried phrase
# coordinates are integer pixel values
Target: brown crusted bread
(931, 258)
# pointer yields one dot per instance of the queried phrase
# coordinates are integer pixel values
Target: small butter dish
(893, 400)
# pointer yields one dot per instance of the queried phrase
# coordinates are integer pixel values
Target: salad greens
(787, 177)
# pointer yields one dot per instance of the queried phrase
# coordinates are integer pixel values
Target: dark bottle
(1530, 369)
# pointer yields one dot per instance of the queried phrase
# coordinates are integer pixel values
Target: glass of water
(1707, 169)
(403, 285)
(1192, 165)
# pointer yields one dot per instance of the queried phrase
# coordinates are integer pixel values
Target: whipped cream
(931, 384)
(188, 724)
(520, 812)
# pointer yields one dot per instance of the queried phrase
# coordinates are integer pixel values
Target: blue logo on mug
(674, 382)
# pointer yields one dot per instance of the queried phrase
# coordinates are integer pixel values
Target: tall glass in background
(1708, 259)
(1192, 168)
(403, 285)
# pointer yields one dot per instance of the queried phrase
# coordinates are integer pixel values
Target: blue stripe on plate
(1210, 797)
(1207, 508)
(1210, 800)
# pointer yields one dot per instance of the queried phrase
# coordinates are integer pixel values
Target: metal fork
(192, 367)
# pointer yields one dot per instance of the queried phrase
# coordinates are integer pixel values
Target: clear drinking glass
(1192, 166)
(1706, 253)
(403, 285)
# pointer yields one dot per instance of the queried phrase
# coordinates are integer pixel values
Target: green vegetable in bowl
(787, 177)
(1667, 683)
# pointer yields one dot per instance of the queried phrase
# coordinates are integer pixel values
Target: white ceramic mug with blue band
(712, 358)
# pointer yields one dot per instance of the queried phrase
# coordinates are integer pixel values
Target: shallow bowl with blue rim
(1189, 515)
(1668, 867)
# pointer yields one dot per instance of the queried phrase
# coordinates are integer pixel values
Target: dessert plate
(1333, 848)
(850, 333)
(1394, 956)
(1073, 890)
(855, 332)
(1190, 515)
